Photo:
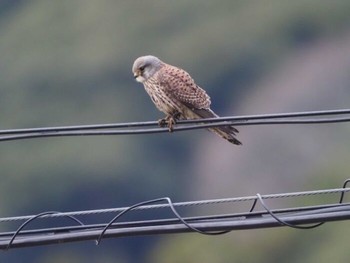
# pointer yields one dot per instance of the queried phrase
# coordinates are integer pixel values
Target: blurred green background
(69, 63)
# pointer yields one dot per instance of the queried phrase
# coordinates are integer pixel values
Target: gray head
(144, 67)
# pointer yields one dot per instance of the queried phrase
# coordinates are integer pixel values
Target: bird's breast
(163, 100)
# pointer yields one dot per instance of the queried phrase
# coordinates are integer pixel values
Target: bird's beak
(137, 74)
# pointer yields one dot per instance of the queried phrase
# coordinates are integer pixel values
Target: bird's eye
(142, 68)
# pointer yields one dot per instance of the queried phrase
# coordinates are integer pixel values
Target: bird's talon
(171, 123)
(168, 121)
(162, 122)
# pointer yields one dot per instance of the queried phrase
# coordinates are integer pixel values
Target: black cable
(210, 224)
(32, 219)
(184, 125)
(229, 224)
(156, 222)
(345, 184)
(283, 222)
(171, 205)
(155, 123)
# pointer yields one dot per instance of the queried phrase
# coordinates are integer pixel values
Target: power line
(208, 224)
(150, 127)
(295, 217)
(184, 204)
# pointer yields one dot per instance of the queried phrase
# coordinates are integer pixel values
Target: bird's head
(145, 67)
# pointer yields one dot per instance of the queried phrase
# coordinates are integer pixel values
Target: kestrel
(175, 93)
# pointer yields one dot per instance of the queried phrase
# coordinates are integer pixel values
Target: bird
(175, 93)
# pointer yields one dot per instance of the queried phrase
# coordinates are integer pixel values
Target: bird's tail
(226, 132)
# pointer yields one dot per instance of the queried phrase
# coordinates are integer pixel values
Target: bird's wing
(179, 84)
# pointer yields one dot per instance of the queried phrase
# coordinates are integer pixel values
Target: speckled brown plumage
(175, 93)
